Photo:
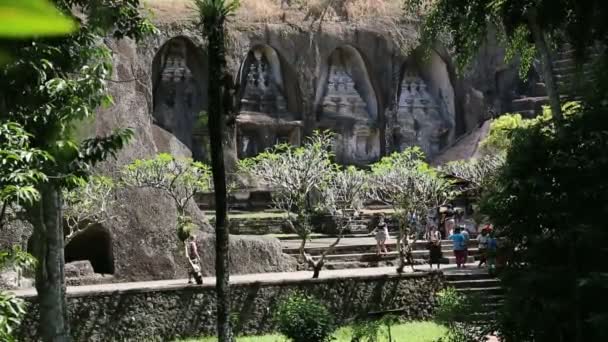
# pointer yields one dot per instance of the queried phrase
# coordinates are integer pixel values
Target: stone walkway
(248, 278)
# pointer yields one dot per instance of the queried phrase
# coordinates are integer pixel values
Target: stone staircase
(567, 73)
(479, 287)
(348, 256)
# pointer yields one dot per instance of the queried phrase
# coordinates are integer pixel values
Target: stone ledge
(173, 285)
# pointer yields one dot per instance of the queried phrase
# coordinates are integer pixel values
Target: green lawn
(410, 332)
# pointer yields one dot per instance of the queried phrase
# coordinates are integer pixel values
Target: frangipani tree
(342, 196)
(407, 183)
(305, 180)
(88, 204)
(178, 178)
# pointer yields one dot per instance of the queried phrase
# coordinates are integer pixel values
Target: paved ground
(250, 278)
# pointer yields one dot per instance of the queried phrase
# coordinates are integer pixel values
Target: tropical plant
(12, 308)
(87, 204)
(341, 197)
(296, 175)
(20, 172)
(527, 26)
(548, 206)
(49, 86)
(407, 183)
(302, 319)
(213, 15)
(178, 178)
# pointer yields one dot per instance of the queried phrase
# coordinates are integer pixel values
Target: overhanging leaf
(26, 18)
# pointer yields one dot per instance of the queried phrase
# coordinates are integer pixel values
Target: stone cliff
(368, 82)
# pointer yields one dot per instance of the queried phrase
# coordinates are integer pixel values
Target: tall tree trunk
(540, 42)
(46, 218)
(217, 65)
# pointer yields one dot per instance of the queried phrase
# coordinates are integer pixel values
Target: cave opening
(93, 244)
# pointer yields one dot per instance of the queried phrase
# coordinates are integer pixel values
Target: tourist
(459, 243)
(465, 234)
(382, 236)
(407, 246)
(194, 260)
(482, 245)
(491, 251)
(434, 244)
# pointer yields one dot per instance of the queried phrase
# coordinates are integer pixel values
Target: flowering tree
(87, 204)
(305, 180)
(179, 178)
(342, 196)
(407, 183)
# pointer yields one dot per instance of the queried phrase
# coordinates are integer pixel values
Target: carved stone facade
(179, 95)
(345, 111)
(264, 119)
(373, 109)
(419, 119)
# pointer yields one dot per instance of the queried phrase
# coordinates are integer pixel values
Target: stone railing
(165, 313)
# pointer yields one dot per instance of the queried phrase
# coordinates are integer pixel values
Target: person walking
(458, 241)
(434, 244)
(381, 232)
(407, 246)
(491, 251)
(482, 246)
(194, 261)
(465, 234)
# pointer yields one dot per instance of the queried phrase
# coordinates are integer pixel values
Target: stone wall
(164, 314)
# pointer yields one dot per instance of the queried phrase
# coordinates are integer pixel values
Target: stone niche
(421, 117)
(348, 107)
(180, 93)
(268, 109)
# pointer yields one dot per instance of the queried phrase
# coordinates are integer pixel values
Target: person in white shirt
(482, 246)
(381, 232)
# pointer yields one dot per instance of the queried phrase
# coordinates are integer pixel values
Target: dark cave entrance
(95, 245)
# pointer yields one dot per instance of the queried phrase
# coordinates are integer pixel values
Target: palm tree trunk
(217, 65)
(540, 42)
(48, 249)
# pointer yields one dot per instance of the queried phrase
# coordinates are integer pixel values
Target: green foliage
(27, 18)
(304, 319)
(451, 306)
(295, 174)
(549, 207)
(405, 181)
(179, 178)
(20, 170)
(501, 130)
(12, 310)
(87, 204)
(463, 25)
(16, 259)
(375, 330)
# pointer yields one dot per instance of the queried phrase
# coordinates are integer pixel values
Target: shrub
(549, 203)
(304, 319)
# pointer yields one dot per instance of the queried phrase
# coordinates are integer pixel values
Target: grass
(410, 332)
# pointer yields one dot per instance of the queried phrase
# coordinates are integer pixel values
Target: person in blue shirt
(459, 247)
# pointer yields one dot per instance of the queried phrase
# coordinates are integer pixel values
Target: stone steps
(446, 246)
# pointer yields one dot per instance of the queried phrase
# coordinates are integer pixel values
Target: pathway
(249, 278)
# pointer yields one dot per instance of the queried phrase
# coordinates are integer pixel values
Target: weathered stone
(78, 269)
(188, 311)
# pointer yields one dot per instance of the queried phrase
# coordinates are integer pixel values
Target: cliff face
(365, 82)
